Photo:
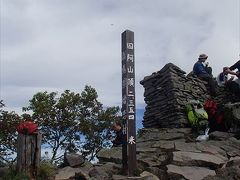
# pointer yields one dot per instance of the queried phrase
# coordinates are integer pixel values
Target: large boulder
(110, 155)
(68, 172)
(73, 159)
(78, 172)
(232, 114)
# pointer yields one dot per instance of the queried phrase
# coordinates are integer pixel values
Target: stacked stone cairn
(168, 91)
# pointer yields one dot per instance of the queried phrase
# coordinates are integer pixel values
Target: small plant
(13, 175)
(137, 172)
(46, 170)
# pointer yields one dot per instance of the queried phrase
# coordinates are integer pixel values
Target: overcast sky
(55, 45)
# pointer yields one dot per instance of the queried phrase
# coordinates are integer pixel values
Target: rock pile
(167, 93)
(164, 154)
(174, 154)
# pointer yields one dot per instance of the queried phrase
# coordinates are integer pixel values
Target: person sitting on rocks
(223, 79)
(204, 72)
(117, 127)
(235, 87)
(233, 67)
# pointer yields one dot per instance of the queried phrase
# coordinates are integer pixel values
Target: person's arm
(232, 72)
(235, 66)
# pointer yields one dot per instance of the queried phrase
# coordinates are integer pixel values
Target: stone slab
(191, 173)
(200, 159)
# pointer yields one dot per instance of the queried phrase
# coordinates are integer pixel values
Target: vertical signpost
(128, 103)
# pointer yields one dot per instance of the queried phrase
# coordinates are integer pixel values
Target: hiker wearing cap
(204, 72)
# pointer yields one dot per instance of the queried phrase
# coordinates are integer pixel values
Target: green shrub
(46, 170)
(11, 174)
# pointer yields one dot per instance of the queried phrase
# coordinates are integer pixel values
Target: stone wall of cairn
(168, 91)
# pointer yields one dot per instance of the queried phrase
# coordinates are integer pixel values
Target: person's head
(225, 70)
(202, 57)
(117, 126)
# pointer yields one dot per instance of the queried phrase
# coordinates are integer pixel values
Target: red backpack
(27, 128)
(215, 115)
(211, 108)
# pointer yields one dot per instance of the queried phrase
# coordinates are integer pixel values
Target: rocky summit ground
(168, 154)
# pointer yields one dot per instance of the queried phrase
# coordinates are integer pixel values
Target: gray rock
(146, 149)
(211, 147)
(229, 173)
(153, 136)
(230, 149)
(110, 155)
(158, 172)
(148, 176)
(235, 110)
(99, 173)
(68, 172)
(86, 166)
(233, 161)
(164, 145)
(73, 159)
(112, 168)
(191, 173)
(221, 136)
(187, 147)
(144, 144)
(198, 159)
(180, 130)
(151, 161)
(121, 177)
(230, 146)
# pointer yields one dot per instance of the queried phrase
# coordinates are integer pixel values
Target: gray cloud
(58, 45)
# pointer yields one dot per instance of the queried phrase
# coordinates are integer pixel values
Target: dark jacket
(119, 138)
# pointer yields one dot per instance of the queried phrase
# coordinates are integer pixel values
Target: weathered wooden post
(128, 103)
(29, 153)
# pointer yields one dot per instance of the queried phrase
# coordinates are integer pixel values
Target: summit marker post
(128, 103)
